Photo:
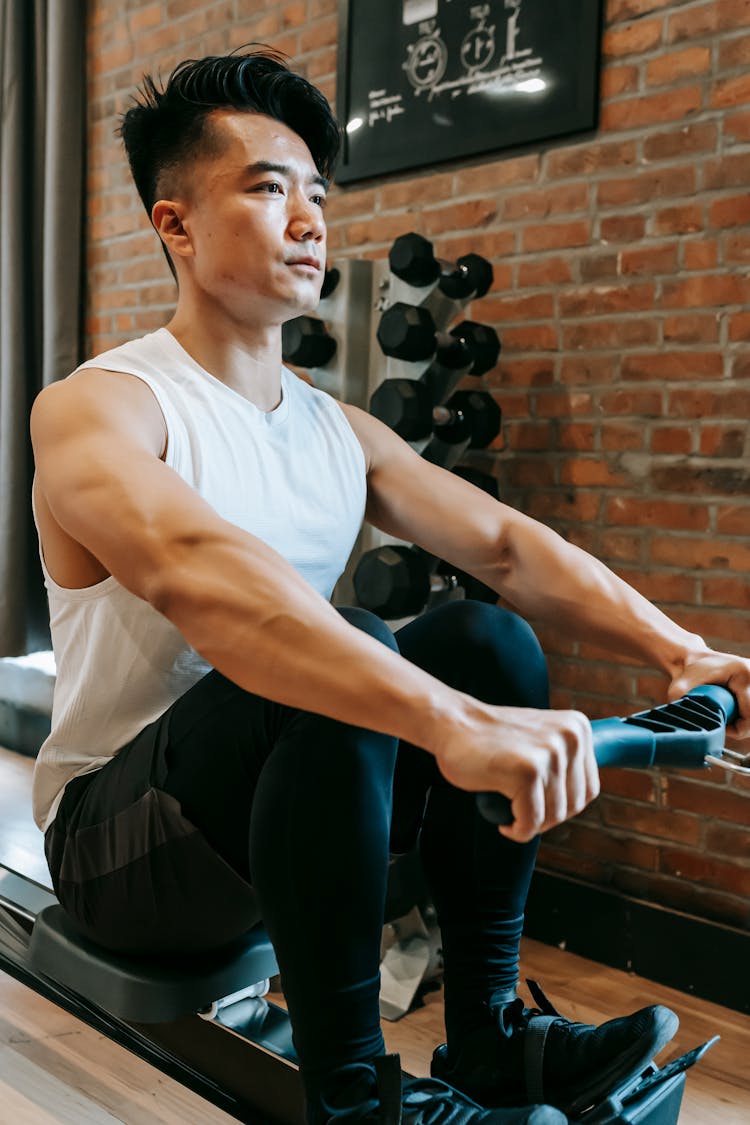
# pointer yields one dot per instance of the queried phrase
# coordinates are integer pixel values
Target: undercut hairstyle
(166, 128)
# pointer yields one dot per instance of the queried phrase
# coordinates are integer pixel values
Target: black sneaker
(378, 1094)
(537, 1055)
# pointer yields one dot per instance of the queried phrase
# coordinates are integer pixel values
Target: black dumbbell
(331, 278)
(406, 405)
(398, 581)
(412, 258)
(409, 332)
(306, 342)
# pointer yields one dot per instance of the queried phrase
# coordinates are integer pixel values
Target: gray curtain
(42, 90)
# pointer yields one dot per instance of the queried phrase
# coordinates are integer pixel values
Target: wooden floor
(55, 1069)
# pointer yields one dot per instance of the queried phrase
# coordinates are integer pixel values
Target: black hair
(165, 128)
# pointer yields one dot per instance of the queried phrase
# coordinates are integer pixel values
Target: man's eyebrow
(259, 166)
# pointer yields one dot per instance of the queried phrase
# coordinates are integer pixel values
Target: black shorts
(119, 837)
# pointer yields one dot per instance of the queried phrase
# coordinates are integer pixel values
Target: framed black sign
(424, 81)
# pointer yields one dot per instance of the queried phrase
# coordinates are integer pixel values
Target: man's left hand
(723, 668)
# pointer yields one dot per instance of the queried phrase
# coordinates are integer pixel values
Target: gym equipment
(406, 405)
(306, 342)
(396, 581)
(238, 1053)
(412, 259)
(409, 332)
(686, 734)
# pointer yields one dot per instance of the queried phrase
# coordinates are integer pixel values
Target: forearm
(253, 618)
(552, 581)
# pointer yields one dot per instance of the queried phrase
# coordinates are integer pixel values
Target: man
(221, 733)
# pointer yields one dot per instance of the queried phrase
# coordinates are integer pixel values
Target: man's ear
(168, 215)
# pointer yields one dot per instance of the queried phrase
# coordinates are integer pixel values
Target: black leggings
(307, 810)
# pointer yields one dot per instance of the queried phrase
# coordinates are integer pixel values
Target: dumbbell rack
(351, 312)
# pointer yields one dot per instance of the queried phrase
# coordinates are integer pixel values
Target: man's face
(254, 210)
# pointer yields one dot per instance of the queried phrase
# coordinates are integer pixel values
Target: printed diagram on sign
(494, 27)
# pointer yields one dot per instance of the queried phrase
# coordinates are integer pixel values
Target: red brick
(700, 554)
(656, 184)
(663, 514)
(576, 435)
(551, 201)
(694, 23)
(669, 589)
(739, 326)
(701, 480)
(731, 92)
(634, 113)
(600, 299)
(665, 824)
(734, 53)
(553, 236)
(702, 254)
(732, 592)
(698, 137)
(649, 260)
(529, 435)
(585, 160)
(538, 337)
(638, 785)
(732, 170)
(594, 370)
(734, 520)
(500, 174)
(622, 436)
(730, 212)
(590, 472)
(702, 868)
(563, 404)
(631, 9)
(620, 546)
(633, 39)
(673, 66)
(732, 14)
(722, 441)
(530, 473)
(540, 306)
(676, 365)
(547, 272)
(737, 248)
(691, 329)
(522, 373)
(605, 335)
(595, 267)
(618, 80)
(706, 291)
(736, 126)
(646, 404)
(671, 439)
(458, 216)
(685, 219)
(622, 228)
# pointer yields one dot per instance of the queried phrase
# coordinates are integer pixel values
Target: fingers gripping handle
(681, 734)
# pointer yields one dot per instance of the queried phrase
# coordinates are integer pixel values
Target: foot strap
(535, 1038)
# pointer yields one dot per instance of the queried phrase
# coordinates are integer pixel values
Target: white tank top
(294, 477)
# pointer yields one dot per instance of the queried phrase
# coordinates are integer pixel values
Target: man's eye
(272, 187)
(321, 200)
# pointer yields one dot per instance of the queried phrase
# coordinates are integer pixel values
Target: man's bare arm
(252, 617)
(532, 567)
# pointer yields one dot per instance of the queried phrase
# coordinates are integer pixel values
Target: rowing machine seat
(146, 989)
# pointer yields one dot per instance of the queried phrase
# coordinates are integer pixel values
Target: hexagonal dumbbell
(397, 581)
(412, 258)
(306, 342)
(406, 405)
(408, 332)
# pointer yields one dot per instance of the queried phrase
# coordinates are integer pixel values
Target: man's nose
(306, 220)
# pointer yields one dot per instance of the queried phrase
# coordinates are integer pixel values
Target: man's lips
(305, 262)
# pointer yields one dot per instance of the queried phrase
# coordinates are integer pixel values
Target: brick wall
(622, 283)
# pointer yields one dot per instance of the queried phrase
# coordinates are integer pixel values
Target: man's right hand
(543, 761)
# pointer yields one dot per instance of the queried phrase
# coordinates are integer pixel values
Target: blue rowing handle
(681, 734)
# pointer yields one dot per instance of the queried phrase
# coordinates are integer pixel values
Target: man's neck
(246, 358)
